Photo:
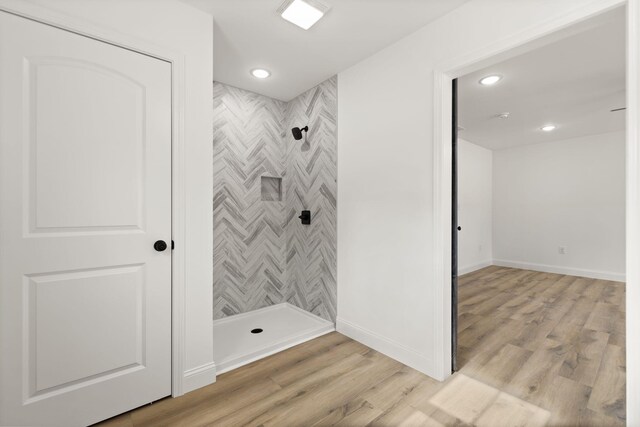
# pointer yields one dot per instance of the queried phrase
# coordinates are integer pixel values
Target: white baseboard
(388, 347)
(199, 377)
(471, 268)
(593, 274)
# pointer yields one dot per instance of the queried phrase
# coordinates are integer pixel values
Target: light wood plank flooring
(534, 349)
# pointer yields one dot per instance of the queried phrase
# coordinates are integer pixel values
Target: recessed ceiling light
(490, 80)
(548, 128)
(260, 73)
(303, 13)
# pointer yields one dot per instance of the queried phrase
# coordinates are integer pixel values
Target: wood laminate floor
(534, 349)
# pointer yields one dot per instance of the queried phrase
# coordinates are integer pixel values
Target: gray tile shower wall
(262, 254)
(248, 233)
(311, 184)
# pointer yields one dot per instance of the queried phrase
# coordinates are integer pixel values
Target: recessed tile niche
(271, 188)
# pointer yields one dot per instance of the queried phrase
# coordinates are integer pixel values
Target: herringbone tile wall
(311, 180)
(248, 234)
(262, 254)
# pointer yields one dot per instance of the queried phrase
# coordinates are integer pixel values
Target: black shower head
(297, 132)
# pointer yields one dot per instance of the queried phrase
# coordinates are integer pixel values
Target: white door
(85, 191)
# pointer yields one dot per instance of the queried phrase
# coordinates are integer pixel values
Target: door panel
(454, 225)
(85, 186)
(87, 331)
(85, 195)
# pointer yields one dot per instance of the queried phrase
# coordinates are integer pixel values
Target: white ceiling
(572, 83)
(250, 34)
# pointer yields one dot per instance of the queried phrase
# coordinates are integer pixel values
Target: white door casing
(85, 186)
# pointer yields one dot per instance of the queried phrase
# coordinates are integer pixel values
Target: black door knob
(459, 228)
(160, 245)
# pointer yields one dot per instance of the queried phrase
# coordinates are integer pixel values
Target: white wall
(182, 28)
(520, 208)
(474, 206)
(386, 284)
(568, 194)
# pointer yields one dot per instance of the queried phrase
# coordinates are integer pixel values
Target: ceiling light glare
(260, 73)
(548, 128)
(303, 13)
(490, 80)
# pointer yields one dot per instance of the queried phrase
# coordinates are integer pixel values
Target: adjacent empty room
(541, 216)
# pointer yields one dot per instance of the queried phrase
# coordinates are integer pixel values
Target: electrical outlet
(562, 250)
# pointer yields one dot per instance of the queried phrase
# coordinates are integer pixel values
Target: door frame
(454, 225)
(443, 75)
(178, 166)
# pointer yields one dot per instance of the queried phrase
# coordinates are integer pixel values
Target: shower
(282, 193)
(297, 132)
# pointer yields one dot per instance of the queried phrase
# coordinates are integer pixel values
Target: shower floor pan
(282, 326)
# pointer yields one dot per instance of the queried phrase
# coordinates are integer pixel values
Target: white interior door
(85, 186)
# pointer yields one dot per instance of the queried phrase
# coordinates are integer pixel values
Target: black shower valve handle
(305, 217)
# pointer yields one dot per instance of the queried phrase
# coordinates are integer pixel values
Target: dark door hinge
(173, 245)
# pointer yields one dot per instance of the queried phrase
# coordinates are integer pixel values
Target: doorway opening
(538, 235)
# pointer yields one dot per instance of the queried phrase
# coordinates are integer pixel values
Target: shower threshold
(247, 337)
